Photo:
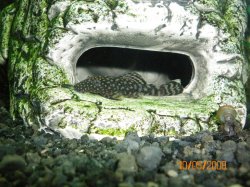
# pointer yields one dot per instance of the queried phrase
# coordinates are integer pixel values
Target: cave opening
(155, 67)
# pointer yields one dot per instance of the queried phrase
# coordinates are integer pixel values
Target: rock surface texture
(42, 41)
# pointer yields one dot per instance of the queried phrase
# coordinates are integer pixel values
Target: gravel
(31, 158)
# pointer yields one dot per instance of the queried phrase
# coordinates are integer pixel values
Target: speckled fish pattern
(128, 85)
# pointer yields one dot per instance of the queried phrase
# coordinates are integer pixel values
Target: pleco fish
(127, 85)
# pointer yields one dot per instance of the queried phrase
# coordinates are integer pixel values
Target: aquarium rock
(42, 41)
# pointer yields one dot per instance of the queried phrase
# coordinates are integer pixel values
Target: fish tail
(171, 88)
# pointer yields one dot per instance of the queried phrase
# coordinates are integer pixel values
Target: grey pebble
(127, 145)
(40, 141)
(175, 182)
(229, 145)
(207, 138)
(149, 157)
(133, 136)
(243, 153)
(135, 161)
(167, 148)
(225, 155)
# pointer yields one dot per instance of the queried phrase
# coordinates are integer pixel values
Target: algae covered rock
(42, 42)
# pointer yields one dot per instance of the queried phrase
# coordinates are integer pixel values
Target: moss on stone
(171, 132)
(113, 131)
(6, 16)
(112, 4)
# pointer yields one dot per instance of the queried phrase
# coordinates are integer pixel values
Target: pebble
(29, 158)
(225, 155)
(248, 182)
(207, 138)
(126, 163)
(131, 145)
(167, 148)
(152, 184)
(210, 147)
(133, 136)
(188, 178)
(212, 183)
(243, 153)
(192, 153)
(170, 166)
(161, 179)
(127, 145)
(149, 157)
(172, 173)
(12, 163)
(163, 140)
(140, 184)
(243, 170)
(40, 141)
(68, 168)
(124, 184)
(235, 185)
(33, 157)
(175, 182)
(229, 146)
(59, 180)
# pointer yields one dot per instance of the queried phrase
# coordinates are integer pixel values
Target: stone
(227, 156)
(133, 136)
(228, 151)
(140, 184)
(124, 184)
(43, 59)
(242, 153)
(229, 145)
(131, 145)
(172, 173)
(174, 182)
(59, 179)
(68, 169)
(170, 166)
(33, 157)
(211, 183)
(161, 179)
(152, 184)
(127, 145)
(12, 163)
(126, 163)
(149, 157)
(235, 185)
(207, 138)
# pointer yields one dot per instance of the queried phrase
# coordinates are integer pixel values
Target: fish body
(128, 85)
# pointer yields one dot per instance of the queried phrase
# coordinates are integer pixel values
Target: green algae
(113, 131)
(6, 16)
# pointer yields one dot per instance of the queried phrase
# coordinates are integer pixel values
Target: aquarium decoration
(44, 43)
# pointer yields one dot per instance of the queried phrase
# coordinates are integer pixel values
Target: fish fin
(67, 86)
(133, 76)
